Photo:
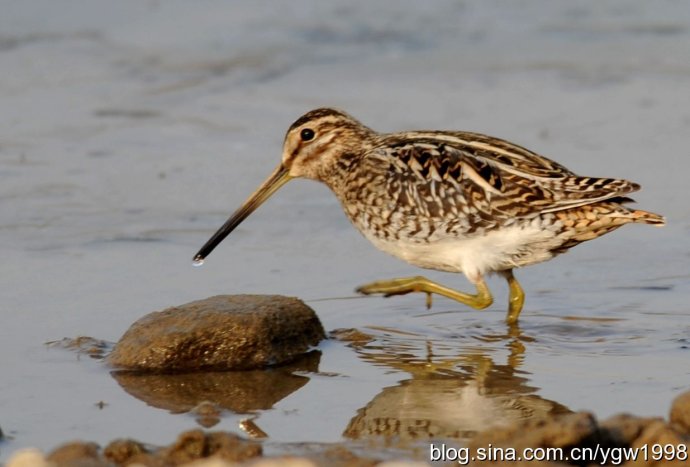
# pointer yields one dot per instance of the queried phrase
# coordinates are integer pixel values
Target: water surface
(130, 130)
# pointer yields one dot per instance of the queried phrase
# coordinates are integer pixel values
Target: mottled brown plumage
(447, 200)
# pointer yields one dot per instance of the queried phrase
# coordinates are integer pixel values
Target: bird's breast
(476, 254)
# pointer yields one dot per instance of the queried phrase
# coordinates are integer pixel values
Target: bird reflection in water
(453, 393)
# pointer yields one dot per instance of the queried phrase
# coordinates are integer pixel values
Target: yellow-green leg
(405, 285)
(516, 298)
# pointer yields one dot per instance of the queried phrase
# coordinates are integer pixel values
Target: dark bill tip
(277, 179)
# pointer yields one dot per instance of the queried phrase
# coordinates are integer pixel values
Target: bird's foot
(388, 288)
(405, 285)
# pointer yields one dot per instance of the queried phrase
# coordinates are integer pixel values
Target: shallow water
(130, 130)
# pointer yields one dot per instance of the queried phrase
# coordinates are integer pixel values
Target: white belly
(498, 250)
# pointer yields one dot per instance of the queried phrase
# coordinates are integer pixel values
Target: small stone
(353, 336)
(196, 444)
(208, 413)
(680, 412)
(660, 434)
(123, 451)
(83, 345)
(232, 447)
(624, 429)
(225, 332)
(206, 409)
(253, 430)
(214, 462)
(340, 455)
(77, 454)
(29, 457)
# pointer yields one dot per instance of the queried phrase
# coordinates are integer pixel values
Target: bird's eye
(307, 134)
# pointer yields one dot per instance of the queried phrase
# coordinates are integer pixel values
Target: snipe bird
(447, 200)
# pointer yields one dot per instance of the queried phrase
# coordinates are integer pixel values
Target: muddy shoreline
(652, 441)
(380, 433)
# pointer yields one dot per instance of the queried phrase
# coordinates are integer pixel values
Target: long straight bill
(278, 178)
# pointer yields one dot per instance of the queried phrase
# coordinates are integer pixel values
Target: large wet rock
(225, 332)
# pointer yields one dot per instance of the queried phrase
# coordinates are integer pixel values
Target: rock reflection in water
(447, 397)
(237, 391)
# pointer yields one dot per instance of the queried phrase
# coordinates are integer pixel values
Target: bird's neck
(337, 173)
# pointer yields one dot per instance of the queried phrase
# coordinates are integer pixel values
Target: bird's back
(431, 187)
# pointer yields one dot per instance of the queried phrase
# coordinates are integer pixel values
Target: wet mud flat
(241, 354)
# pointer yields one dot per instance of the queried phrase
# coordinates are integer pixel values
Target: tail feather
(645, 217)
(637, 215)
